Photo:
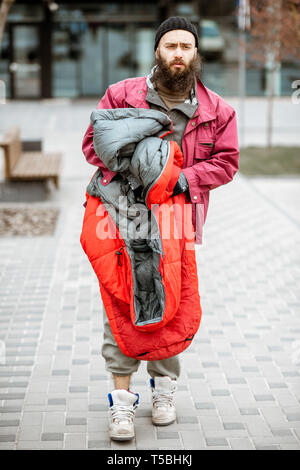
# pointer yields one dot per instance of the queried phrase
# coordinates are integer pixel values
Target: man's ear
(156, 53)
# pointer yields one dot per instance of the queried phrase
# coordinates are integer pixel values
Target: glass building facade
(77, 49)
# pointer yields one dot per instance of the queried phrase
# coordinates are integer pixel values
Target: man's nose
(178, 52)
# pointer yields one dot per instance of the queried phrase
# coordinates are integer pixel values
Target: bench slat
(28, 166)
(37, 164)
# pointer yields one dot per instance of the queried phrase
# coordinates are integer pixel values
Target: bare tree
(275, 37)
(4, 9)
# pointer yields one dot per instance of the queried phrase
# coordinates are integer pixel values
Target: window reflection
(25, 12)
(66, 52)
(87, 58)
(101, 11)
(95, 44)
(26, 66)
(4, 63)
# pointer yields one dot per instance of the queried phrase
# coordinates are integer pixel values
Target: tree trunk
(4, 9)
(270, 107)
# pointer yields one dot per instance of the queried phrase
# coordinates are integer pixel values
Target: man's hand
(181, 186)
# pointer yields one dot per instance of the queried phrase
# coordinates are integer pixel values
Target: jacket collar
(206, 109)
(186, 108)
(137, 93)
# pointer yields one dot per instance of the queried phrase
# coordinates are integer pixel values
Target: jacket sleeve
(107, 102)
(222, 165)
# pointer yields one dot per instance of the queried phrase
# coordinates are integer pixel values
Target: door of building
(88, 57)
(106, 56)
(25, 65)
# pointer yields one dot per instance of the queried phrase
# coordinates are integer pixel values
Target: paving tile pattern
(240, 382)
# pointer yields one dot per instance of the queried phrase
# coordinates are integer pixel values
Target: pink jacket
(209, 144)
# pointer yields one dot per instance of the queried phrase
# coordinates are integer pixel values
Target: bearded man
(204, 126)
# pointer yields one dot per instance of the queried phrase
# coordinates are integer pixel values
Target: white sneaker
(163, 407)
(122, 410)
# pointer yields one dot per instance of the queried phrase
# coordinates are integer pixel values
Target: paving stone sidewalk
(240, 382)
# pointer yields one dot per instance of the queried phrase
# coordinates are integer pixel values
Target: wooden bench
(22, 165)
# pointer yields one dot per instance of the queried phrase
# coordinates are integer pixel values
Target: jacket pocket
(203, 149)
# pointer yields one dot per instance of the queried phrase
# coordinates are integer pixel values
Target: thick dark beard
(177, 81)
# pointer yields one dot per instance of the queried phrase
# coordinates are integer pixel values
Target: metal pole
(243, 23)
(242, 87)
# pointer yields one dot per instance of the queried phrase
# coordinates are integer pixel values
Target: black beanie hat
(175, 22)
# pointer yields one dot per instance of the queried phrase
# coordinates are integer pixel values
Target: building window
(88, 57)
(30, 13)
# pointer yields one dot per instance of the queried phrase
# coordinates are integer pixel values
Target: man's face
(177, 50)
(177, 61)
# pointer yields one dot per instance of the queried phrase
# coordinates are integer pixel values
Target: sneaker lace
(122, 413)
(163, 399)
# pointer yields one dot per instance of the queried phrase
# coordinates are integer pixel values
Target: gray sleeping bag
(127, 142)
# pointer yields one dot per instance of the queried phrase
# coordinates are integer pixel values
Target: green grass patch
(274, 161)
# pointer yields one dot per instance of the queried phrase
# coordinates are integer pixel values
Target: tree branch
(4, 9)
